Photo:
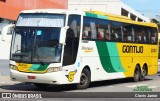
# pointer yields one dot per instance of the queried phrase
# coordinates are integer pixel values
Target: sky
(149, 8)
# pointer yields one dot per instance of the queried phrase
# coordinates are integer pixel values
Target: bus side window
(128, 33)
(145, 34)
(115, 30)
(84, 34)
(153, 36)
(93, 32)
(90, 28)
(100, 35)
(102, 28)
(124, 37)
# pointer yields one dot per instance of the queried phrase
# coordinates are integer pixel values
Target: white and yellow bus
(55, 46)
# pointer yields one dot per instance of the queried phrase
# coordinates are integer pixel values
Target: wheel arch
(87, 72)
(87, 67)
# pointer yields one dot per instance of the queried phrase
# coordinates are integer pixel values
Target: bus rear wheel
(85, 79)
(41, 85)
(143, 73)
(136, 76)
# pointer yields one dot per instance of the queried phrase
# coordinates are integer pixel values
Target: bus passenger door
(72, 40)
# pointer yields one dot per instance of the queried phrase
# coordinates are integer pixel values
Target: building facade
(108, 6)
(9, 9)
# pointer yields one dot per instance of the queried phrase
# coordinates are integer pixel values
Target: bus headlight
(53, 69)
(13, 67)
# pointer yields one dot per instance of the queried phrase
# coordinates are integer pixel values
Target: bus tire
(143, 73)
(136, 76)
(85, 79)
(41, 85)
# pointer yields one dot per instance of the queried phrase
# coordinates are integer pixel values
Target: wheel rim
(83, 79)
(143, 72)
(137, 75)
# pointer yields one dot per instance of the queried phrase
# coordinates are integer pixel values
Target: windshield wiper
(39, 60)
(38, 57)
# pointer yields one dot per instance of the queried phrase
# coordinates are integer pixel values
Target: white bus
(52, 46)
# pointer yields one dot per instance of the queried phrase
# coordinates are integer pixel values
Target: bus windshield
(41, 20)
(36, 44)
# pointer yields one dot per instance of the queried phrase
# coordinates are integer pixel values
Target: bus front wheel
(85, 79)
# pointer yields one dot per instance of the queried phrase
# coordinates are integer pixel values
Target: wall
(109, 6)
(9, 9)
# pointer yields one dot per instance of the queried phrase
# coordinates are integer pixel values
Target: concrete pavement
(5, 80)
(4, 67)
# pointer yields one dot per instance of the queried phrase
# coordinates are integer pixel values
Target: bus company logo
(70, 75)
(132, 49)
(87, 49)
(22, 64)
(142, 89)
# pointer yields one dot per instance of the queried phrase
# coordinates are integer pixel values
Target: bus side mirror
(63, 35)
(7, 30)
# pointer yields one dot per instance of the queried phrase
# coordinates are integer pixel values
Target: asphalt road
(115, 87)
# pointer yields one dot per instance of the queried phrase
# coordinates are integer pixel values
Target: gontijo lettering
(132, 49)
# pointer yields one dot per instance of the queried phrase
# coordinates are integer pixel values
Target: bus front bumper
(48, 78)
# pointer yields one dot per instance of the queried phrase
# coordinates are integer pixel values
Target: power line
(152, 11)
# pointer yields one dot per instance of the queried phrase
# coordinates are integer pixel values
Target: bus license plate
(31, 77)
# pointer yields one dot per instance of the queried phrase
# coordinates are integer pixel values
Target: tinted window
(100, 29)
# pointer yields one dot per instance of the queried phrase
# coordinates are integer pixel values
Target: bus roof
(95, 14)
(113, 17)
(59, 11)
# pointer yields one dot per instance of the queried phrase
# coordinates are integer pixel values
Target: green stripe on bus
(42, 67)
(114, 57)
(102, 17)
(104, 57)
(38, 67)
(96, 16)
(91, 15)
(34, 67)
